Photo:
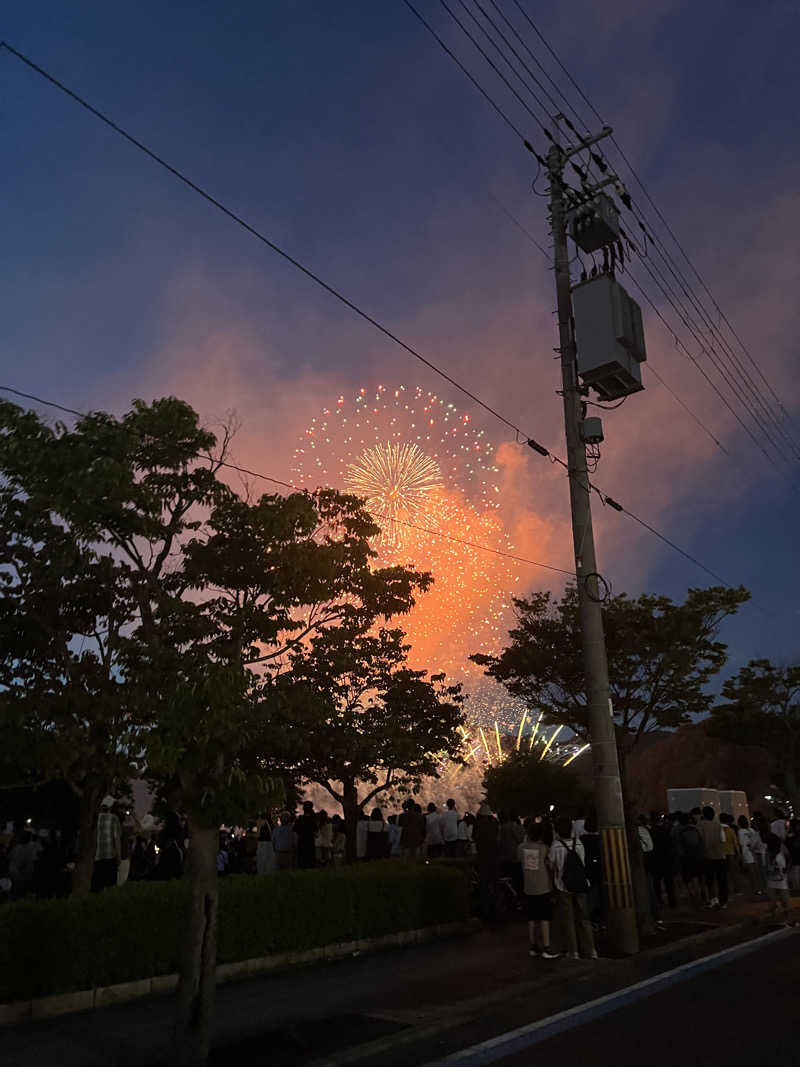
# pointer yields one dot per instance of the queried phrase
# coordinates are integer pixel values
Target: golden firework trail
(554, 735)
(396, 479)
(521, 725)
(486, 747)
(497, 735)
(535, 731)
(575, 755)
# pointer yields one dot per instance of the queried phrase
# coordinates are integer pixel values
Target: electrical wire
(299, 488)
(659, 245)
(265, 240)
(604, 497)
(309, 273)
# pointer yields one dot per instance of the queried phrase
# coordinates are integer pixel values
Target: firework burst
(396, 480)
(430, 481)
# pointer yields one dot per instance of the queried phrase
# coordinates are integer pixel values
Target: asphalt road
(743, 1014)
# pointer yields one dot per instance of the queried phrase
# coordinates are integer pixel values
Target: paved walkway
(403, 1007)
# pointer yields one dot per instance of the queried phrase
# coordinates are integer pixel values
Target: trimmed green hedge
(59, 946)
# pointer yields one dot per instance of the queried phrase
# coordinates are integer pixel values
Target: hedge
(59, 946)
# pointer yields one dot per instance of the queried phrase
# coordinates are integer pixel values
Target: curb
(24, 1011)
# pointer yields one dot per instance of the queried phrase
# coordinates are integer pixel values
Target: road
(742, 1014)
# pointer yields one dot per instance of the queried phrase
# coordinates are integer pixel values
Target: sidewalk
(406, 1006)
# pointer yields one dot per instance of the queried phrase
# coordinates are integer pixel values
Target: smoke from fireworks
(431, 483)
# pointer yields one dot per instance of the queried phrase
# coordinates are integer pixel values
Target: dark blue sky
(344, 133)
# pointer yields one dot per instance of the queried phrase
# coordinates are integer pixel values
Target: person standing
(487, 851)
(284, 840)
(466, 825)
(449, 824)
(305, 828)
(716, 870)
(324, 839)
(265, 851)
(511, 837)
(777, 884)
(434, 844)
(571, 906)
(107, 849)
(733, 854)
(538, 890)
(665, 859)
(690, 856)
(377, 836)
(746, 846)
(411, 831)
(593, 861)
(778, 824)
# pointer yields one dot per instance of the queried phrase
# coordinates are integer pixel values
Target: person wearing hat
(108, 848)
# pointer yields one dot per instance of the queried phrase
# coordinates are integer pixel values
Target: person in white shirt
(777, 882)
(571, 908)
(449, 824)
(465, 828)
(778, 824)
(433, 833)
(747, 843)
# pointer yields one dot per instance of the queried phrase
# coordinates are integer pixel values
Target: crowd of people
(551, 867)
(715, 856)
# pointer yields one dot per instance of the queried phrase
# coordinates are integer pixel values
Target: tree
(763, 708)
(358, 720)
(660, 657)
(525, 784)
(63, 713)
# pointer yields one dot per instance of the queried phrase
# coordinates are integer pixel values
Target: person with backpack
(566, 859)
(690, 856)
(593, 862)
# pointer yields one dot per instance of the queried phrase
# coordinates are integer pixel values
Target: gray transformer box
(610, 337)
(593, 225)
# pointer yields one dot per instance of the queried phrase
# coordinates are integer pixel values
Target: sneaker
(594, 955)
(548, 955)
(661, 924)
(573, 956)
(533, 951)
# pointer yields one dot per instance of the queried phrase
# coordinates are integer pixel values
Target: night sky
(345, 134)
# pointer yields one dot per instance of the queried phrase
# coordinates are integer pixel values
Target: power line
(606, 499)
(461, 66)
(298, 488)
(661, 217)
(296, 263)
(265, 240)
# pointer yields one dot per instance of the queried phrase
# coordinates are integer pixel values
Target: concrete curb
(24, 1011)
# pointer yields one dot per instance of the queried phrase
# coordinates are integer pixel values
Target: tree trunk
(350, 809)
(89, 802)
(197, 984)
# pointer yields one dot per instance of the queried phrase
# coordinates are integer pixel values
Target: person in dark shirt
(306, 829)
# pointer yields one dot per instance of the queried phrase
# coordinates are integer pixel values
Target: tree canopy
(762, 707)
(526, 785)
(660, 657)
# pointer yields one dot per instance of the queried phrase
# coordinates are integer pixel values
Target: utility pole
(605, 761)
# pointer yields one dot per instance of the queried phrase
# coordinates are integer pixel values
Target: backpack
(574, 873)
(692, 842)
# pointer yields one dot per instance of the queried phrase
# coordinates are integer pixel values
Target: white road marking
(497, 1048)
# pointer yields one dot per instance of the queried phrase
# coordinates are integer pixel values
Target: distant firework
(397, 481)
(418, 461)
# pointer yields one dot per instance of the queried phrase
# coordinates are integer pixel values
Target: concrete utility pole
(605, 762)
